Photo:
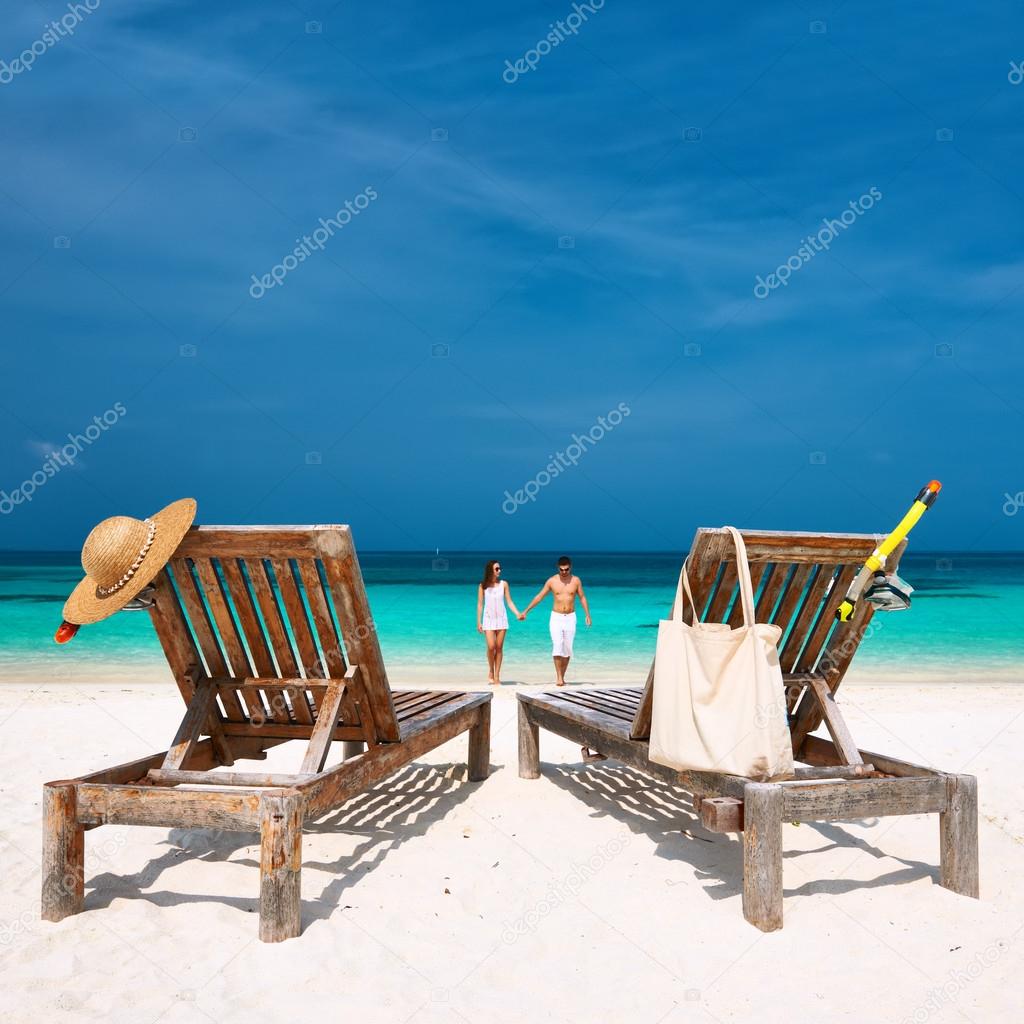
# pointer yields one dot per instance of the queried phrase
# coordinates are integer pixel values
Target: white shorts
(563, 630)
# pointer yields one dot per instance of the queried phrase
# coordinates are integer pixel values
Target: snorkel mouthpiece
(66, 631)
(929, 493)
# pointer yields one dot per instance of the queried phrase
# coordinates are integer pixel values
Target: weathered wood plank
(359, 631)
(720, 813)
(311, 662)
(529, 744)
(723, 593)
(250, 780)
(479, 756)
(595, 703)
(808, 657)
(280, 866)
(766, 545)
(838, 771)
(195, 718)
(291, 731)
(769, 597)
(241, 598)
(172, 632)
(757, 572)
(834, 721)
(793, 593)
(320, 739)
(807, 614)
(272, 620)
(228, 633)
(958, 837)
(330, 644)
(196, 610)
(819, 751)
(762, 856)
(169, 808)
(255, 541)
(846, 800)
(63, 865)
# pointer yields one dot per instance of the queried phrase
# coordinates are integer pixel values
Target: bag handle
(742, 576)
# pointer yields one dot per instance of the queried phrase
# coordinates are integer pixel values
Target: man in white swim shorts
(564, 588)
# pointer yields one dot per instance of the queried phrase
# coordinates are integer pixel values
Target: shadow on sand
(665, 816)
(400, 808)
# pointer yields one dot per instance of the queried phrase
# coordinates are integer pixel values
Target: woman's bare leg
(491, 652)
(499, 651)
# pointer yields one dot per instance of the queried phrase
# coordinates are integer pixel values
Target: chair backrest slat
(769, 597)
(791, 596)
(807, 658)
(330, 645)
(802, 578)
(245, 610)
(215, 601)
(311, 662)
(813, 598)
(272, 603)
(757, 573)
(198, 617)
(270, 616)
(723, 594)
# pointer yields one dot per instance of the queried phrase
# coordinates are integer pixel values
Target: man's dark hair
(565, 560)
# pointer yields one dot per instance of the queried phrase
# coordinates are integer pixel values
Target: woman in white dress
(491, 618)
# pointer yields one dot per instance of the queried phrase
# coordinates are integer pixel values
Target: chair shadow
(399, 808)
(664, 815)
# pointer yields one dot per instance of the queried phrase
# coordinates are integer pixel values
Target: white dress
(495, 616)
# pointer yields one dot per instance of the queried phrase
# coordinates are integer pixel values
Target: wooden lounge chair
(799, 580)
(269, 635)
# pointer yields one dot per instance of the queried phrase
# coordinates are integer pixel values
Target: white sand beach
(589, 894)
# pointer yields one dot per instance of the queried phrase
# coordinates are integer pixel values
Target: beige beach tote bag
(719, 699)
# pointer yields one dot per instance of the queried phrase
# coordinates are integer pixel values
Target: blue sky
(537, 253)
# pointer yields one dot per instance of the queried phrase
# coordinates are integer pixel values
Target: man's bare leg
(561, 664)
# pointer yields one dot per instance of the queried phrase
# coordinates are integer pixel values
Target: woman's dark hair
(489, 573)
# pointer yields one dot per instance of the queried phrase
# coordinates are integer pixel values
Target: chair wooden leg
(529, 745)
(762, 856)
(479, 761)
(280, 866)
(63, 888)
(958, 837)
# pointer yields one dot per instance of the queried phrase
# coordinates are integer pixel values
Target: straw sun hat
(121, 555)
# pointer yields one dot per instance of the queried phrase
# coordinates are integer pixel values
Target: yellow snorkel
(884, 593)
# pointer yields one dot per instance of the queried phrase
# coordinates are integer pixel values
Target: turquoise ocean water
(965, 623)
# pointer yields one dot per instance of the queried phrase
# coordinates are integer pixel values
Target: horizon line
(75, 553)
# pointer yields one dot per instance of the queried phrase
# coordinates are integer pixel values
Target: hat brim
(86, 605)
